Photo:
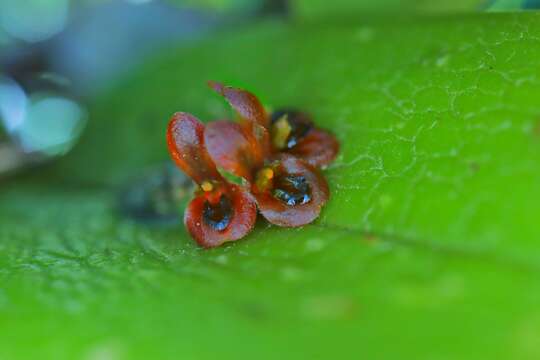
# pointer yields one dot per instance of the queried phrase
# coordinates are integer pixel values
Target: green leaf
(428, 249)
(322, 8)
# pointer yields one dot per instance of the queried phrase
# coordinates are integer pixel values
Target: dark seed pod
(293, 125)
(292, 190)
(218, 216)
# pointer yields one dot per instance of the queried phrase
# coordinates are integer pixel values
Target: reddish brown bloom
(291, 131)
(294, 195)
(220, 211)
(289, 191)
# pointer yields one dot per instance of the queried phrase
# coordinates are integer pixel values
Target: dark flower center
(219, 215)
(292, 190)
(296, 126)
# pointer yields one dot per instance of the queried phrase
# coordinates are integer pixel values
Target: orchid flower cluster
(277, 155)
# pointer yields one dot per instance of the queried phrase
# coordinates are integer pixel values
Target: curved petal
(185, 139)
(242, 220)
(245, 103)
(277, 211)
(235, 148)
(319, 148)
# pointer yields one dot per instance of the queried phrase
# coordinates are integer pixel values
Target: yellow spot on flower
(264, 178)
(207, 186)
(281, 130)
(268, 173)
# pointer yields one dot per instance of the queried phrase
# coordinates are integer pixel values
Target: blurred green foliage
(504, 5)
(321, 8)
(427, 250)
(217, 5)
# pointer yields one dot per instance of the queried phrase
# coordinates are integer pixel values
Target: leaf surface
(428, 248)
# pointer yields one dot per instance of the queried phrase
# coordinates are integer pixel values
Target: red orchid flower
(220, 211)
(289, 191)
(291, 131)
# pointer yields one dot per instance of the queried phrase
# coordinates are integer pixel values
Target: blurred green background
(429, 246)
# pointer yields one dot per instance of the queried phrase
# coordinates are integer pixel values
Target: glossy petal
(242, 220)
(245, 103)
(278, 212)
(319, 148)
(236, 148)
(185, 139)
